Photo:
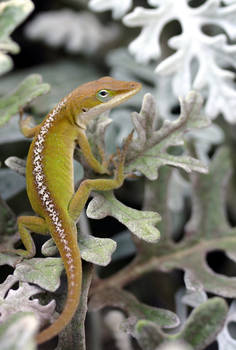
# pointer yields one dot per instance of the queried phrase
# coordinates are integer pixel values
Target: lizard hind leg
(26, 224)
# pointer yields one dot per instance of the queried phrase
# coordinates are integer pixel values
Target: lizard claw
(121, 153)
(105, 162)
(119, 162)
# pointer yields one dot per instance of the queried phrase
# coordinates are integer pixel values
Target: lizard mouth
(86, 116)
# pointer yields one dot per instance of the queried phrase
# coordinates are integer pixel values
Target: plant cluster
(177, 207)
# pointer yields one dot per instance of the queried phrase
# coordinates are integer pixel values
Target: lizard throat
(44, 193)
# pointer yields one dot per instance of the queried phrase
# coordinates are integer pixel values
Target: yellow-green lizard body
(50, 183)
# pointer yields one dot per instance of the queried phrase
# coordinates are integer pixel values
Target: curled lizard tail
(66, 241)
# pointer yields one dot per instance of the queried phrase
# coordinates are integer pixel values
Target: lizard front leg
(81, 196)
(26, 224)
(100, 168)
(25, 125)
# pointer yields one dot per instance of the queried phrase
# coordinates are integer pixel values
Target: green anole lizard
(50, 183)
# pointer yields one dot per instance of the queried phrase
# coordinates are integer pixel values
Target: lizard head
(96, 97)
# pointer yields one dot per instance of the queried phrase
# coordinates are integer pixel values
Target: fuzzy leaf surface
(140, 223)
(28, 90)
(92, 249)
(128, 303)
(213, 54)
(207, 231)
(45, 272)
(211, 314)
(21, 299)
(12, 13)
(18, 332)
(149, 150)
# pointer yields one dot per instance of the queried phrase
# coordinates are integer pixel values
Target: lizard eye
(103, 95)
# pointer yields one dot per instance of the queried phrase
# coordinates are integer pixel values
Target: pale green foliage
(92, 249)
(199, 330)
(149, 151)
(43, 272)
(21, 299)
(18, 332)
(157, 143)
(12, 13)
(207, 230)
(27, 91)
(140, 223)
(71, 75)
(121, 299)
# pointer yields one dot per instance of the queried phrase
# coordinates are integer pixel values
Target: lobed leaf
(97, 250)
(45, 272)
(21, 299)
(12, 13)
(148, 335)
(150, 149)
(140, 223)
(28, 90)
(207, 231)
(200, 330)
(201, 63)
(16, 164)
(204, 323)
(92, 249)
(127, 302)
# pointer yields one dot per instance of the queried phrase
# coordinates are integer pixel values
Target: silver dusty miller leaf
(212, 52)
(149, 150)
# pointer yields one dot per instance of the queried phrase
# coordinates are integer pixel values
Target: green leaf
(148, 335)
(6, 63)
(28, 90)
(204, 323)
(12, 13)
(18, 332)
(119, 298)
(16, 164)
(149, 150)
(207, 230)
(97, 250)
(45, 272)
(140, 223)
(23, 299)
(92, 249)
(7, 259)
(71, 75)
(201, 328)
